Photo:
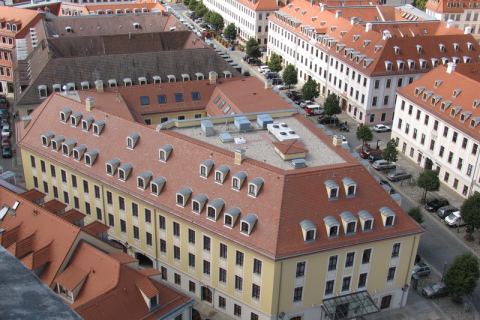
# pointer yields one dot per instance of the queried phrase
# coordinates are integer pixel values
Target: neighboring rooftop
(24, 296)
(23, 19)
(447, 6)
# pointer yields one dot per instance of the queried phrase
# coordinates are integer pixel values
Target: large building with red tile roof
(436, 124)
(109, 8)
(461, 14)
(212, 204)
(364, 54)
(95, 279)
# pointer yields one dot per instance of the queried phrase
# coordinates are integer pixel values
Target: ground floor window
(385, 304)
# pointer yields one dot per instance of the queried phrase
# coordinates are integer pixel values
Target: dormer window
(111, 166)
(98, 126)
(437, 83)
(87, 123)
(57, 142)
(65, 114)
(143, 179)
(156, 186)
(248, 223)
(388, 65)
(434, 62)
(132, 140)
(469, 46)
(214, 209)
(255, 186)
(476, 103)
(127, 82)
(78, 152)
(205, 168)
(396, 50)
(444, 60)
(419, 49)
(465, 115)
(446, 104)
(42, 91)
(75, 118)
(230, 217)
(388, 216)
(67, 147)
(157, 79)
(198, 203)
(456, 92)
(350, 186)
(221, 173)
(332, 189)
(164, 152)
(419, 90)
(332, 226)
(423, 64)
(455, 46)
(124, 171)
(309, 230)
(411, 64)
(238, 179)
(366, 220)
(57, 87)
(441, 47)
(47, 138)
(400, 64)
(112, 83)
(474, 122)
(349, 222)
(455, 111)
(85, 85)
(182, 196)
(142, 81)
(90, 157)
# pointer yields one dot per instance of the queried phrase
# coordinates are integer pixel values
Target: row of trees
(199, 9)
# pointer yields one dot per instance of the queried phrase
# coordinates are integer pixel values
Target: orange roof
(33, 195)
(147, 287)
(444, 6)
(73, 216)
(71, 277)
(25, 17)
(122, 257)
(95, 228)
(149, 272)
(55, 206)
(290, 146)
(260, 5)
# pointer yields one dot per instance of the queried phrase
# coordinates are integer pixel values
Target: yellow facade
(157, 118)
(277, 280)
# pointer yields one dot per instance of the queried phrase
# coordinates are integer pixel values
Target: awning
(349, 306)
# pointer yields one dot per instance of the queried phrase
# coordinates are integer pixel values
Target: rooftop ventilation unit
(299, 163)
(263, 120)
(242, 123)
(207, 128)
(281, 131)
(225, 137)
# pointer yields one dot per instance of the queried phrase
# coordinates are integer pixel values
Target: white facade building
(463, 14)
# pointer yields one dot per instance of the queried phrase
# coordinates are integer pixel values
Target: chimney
(239, 156)
(338, 14)
(449, 23)
(89, 103)
(99, 85)
(468, 30)
(368, 26)
(451, 67)
(212, 77)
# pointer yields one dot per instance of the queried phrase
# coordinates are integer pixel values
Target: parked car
(344, 127)
(6, 141)
(263, 69)
(434, 204)
(328, 120)
(3, 102)
(270, 75)
(277, 81)
(387, 186)
(4, 114)
(383, 165)
(435, 290)
(6, 151)
(421, 269)
(398, 174)
(344, 140)
(6, 132)
(381, 128)
(454, 220)
(445, 211)
(375, 155)
(281, 87)
(314, 110)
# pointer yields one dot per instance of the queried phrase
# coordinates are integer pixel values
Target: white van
(263, 69)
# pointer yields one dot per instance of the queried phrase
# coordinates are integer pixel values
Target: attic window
(98, 126)
(84, 85)
(157, 79)
(164, 152)
(127, 82)
(444, 60)
(238, 179)
(476, 103)
(132, 140)
(182, 196)
(388, 216)
(469, 46)
(78, 152)
(455, 46)
(456, 92)
(255, 186)
(111, 166)
(423, 64)
(419, 48)
(349, 222)
(400, 64)
(247, 223)
(446, 105)
(377, 48)
(309, 230)
(198, 202)
(143, 179)
(124, 171)
(230, 217)
(419, 90)
(434, 62)
(388, 65)
(332, 189)
(411, 64)
(214, 209)
(75, 119)
(396, 50)
(441, 46)
(57, 87)
(466, 59)
(57, 142)
(156, 186)
(437, 83)
(46, 138)
(205, 168)
(465, 115)
(435, 100)
(455, 111)
(474, 122)
(332, 226)
(67, 147)
(87, 123)
(112, 83)
(42, 91)
(366, 220)
(65, 114)
(90, 157)
(221, 173)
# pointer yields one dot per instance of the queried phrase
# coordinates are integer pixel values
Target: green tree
(332, 105)
(420, 4)
(275, 62)
(230, 32)
(216, 20)
(200, 10)
(390, 153)
(192, 4)
(428, 181)
(365, 134)
(470, 210)
(310, 90)
(289, 75)
(186, 2)
(461, 278)
(416, 214)
(252, 49)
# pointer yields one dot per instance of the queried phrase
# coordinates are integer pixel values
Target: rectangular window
(99, 213)
(206, 243)
(222, 275)
(42, 166)
(418, 114)
(367, 253)
(222, 302)
(391, 273)
(191, 286)
(32, 161)
(191, 260)
(148, 215)
(237, 310)
(425, 121)
(163, 246)
(257, 266)
(206, 267)
(441, 151)
(161, 222)
(97, 191)
(445, 131)
(332, 263)
(239, 258)
(85, 186)
(255, 291)
(460, 164)
(396, 250)
(164, 273)
(65, 197)
(195, 95)
(178, 97)
(111, 220)
(74, 181)
(123, 226)
(64, 175)
(148, 236)
(474, 149)
(450, 157)
(329, 285)
(176, 253)
(435, 125)
(35, 182)
(45, 187)
(176, 229)
(300, 271)
(362, 280)
(87, 208)
(109, 197)
(55, 192)
(162, 99)
(52, 170)
(297, 294)
(191, 236)
(349, 260)
(76, 202)
(136, 232)
(144, 100)
(346, 283)
(121, 203)
(464, 143)
(177, 279)
(134, 209)
(223, 251)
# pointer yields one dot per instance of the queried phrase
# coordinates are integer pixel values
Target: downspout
(279, 288)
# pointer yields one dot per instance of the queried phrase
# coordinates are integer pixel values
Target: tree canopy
(428, 181)
(332, 105)
(390, 153)
(461, 278)
(365, 134)
(420, 4)
(200, 10)
(275, 62)
(416, 214)
(216, 20)
(289, 75)
(310, 90)
(252, 49)
(230, 32)
(192, 4)
(470, 210)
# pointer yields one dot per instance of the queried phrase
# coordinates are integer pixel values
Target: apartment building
(461, 14)
(108, 8)
(95, 279)
(244, 231)
(20, 32)
(436, 122)
(249, 16)
(364, 54)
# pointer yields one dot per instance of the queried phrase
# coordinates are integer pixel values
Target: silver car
(398, 174)
(383, 165)
(437, 289)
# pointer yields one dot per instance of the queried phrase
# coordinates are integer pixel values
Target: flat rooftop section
(259, 143)
(25, 297)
